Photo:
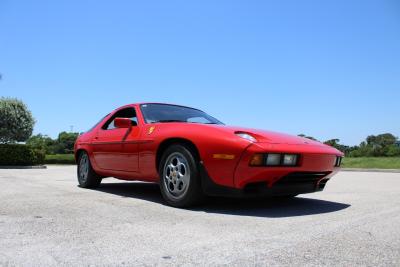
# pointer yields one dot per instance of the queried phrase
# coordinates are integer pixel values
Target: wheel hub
(176, 175)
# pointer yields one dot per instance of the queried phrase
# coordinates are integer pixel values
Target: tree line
(381, 145)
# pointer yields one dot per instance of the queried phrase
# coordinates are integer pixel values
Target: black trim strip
(123, 142)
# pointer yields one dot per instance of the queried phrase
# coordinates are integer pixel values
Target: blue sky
(330, 69)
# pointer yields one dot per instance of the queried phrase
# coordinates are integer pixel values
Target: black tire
(87, 178)
(192, 192)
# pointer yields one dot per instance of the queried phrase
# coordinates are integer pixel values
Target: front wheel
(87, 177)
(179, 177)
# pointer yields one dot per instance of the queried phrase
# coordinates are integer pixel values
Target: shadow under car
(257, 207)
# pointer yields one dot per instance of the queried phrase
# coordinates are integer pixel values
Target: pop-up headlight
(246, 136)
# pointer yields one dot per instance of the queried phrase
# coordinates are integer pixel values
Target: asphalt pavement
(47, 220)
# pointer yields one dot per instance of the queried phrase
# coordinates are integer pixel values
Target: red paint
(129, 152)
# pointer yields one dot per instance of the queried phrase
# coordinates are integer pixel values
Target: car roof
(158, 103)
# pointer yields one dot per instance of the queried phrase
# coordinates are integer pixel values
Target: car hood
(262, 136)
(271, 137)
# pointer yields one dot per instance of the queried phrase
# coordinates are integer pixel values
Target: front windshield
(153, 113)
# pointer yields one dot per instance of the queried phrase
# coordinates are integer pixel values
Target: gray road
(45, 219)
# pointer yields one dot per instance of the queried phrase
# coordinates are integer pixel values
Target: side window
(198, 120)
(129, 113)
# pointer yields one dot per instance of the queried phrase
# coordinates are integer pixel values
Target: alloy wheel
(83, 167)
(176, 175)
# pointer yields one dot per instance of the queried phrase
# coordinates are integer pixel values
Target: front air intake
(302, 178)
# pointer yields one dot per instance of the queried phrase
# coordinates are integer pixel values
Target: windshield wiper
(161, 121)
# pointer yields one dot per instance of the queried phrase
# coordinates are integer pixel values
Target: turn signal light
(257, 160)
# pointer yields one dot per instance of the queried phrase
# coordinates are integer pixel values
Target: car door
(111, 150)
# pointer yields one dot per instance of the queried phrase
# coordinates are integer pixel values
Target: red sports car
(191, 155)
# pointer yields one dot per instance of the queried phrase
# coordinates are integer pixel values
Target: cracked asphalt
(47, 220)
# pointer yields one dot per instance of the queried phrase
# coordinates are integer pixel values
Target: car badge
(151, 129)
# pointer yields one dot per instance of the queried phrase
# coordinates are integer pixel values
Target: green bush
(64, 144)
(60, 159)
(16, 121)
(40, 156)
(20, 155)
(393, 151)
(41, 142)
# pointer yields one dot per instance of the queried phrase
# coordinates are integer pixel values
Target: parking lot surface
(46, 219)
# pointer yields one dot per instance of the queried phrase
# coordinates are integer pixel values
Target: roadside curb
(24, 167)
(370, 170)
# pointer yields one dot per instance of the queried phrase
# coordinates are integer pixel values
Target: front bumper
(316, 167)
(313, 159)
(291, 184)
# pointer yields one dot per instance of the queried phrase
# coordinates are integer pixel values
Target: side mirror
(122, 123)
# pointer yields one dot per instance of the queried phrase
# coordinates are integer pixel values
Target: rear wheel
(87, 177)
(179, 177)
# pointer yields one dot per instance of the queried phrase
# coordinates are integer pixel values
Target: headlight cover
(289, 159)
(274, 160)
(247, 137)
